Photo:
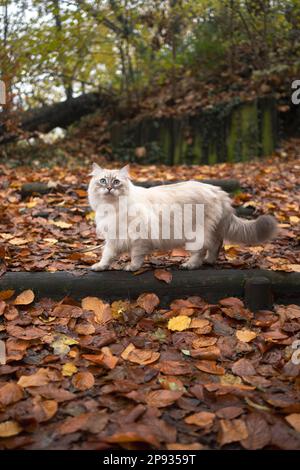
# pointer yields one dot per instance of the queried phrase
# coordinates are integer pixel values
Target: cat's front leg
(108, 255)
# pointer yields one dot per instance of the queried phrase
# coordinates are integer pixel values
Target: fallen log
(211, 284)
(28, 189)
(61, 114)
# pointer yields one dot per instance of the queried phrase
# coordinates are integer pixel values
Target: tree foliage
(58, 49)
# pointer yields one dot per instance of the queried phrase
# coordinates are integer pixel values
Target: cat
(107, 188)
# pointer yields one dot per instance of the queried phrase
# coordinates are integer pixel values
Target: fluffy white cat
(130, 220)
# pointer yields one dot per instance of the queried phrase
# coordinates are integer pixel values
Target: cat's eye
(116, 182)
(102, 180)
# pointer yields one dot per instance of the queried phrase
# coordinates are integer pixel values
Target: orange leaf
(25, 298)
(163, 275)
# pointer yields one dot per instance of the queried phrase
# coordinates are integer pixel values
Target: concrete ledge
(211, 284)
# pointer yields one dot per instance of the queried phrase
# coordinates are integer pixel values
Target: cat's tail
(251, 232)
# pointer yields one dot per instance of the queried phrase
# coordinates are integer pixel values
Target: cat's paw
(131, 267)
(190, 265)
(99, 267)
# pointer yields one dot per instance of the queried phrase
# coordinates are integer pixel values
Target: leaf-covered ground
(91, 375)
(55, 231)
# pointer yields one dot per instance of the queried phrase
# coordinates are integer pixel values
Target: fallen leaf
(179, 323)
(294, 420)
(101, 310)
(210, 367)
(232, 431)
(25, 298)
(163, 275)
(10, 393)
(202, 419)
(243, 367)
(41, 377)
(83, 380)
(6, 294)
(148, 302)
(245, 335)
(9, 428)
(259, 434)
(143, 356)
(178, 446)
(69, 369)
(162, 398)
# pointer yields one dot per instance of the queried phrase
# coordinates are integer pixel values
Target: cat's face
(110, 183)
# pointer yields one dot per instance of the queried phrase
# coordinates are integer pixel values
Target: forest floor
(91, 375)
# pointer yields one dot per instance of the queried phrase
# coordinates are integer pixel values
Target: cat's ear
(95, 169)
(125, 171)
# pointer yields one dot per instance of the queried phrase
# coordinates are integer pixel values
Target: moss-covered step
(229, 132)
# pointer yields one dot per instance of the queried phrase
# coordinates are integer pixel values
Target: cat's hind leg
(213, 251)
(195, 260)
(137, 253)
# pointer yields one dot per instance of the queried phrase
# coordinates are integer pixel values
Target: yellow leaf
(180, 323)
(245, 335)
(119, 307)
(51, 241)
(18, 241)
(294, 219)
(60, 224)
(69, 369)
(9, 428)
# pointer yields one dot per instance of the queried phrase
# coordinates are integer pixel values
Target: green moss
(267, 132)
(233, 136)
(249, 131)
(197, 149)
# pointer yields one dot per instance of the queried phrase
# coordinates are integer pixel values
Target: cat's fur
(220, 222)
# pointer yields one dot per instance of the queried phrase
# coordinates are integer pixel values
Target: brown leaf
(67, 311)
(204, 342)
(178, 446)
(6, 294)
(294, 420)
(101, 310)
(229, 412)
(41, 377)
(10, 393)
(93, 422)
(162, 398)
(141, 434)
(210, 353)
(44, 409)
(259, 434)
(211, 367)
(173, 367)
(243, 367)
(202, 419)
(28, 333)
(83, 380)
(2, 307)
(232, 431)
(163, 275)
(143, 356)
(148, 302)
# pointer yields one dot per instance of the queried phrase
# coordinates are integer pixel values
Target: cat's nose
(109, 188)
